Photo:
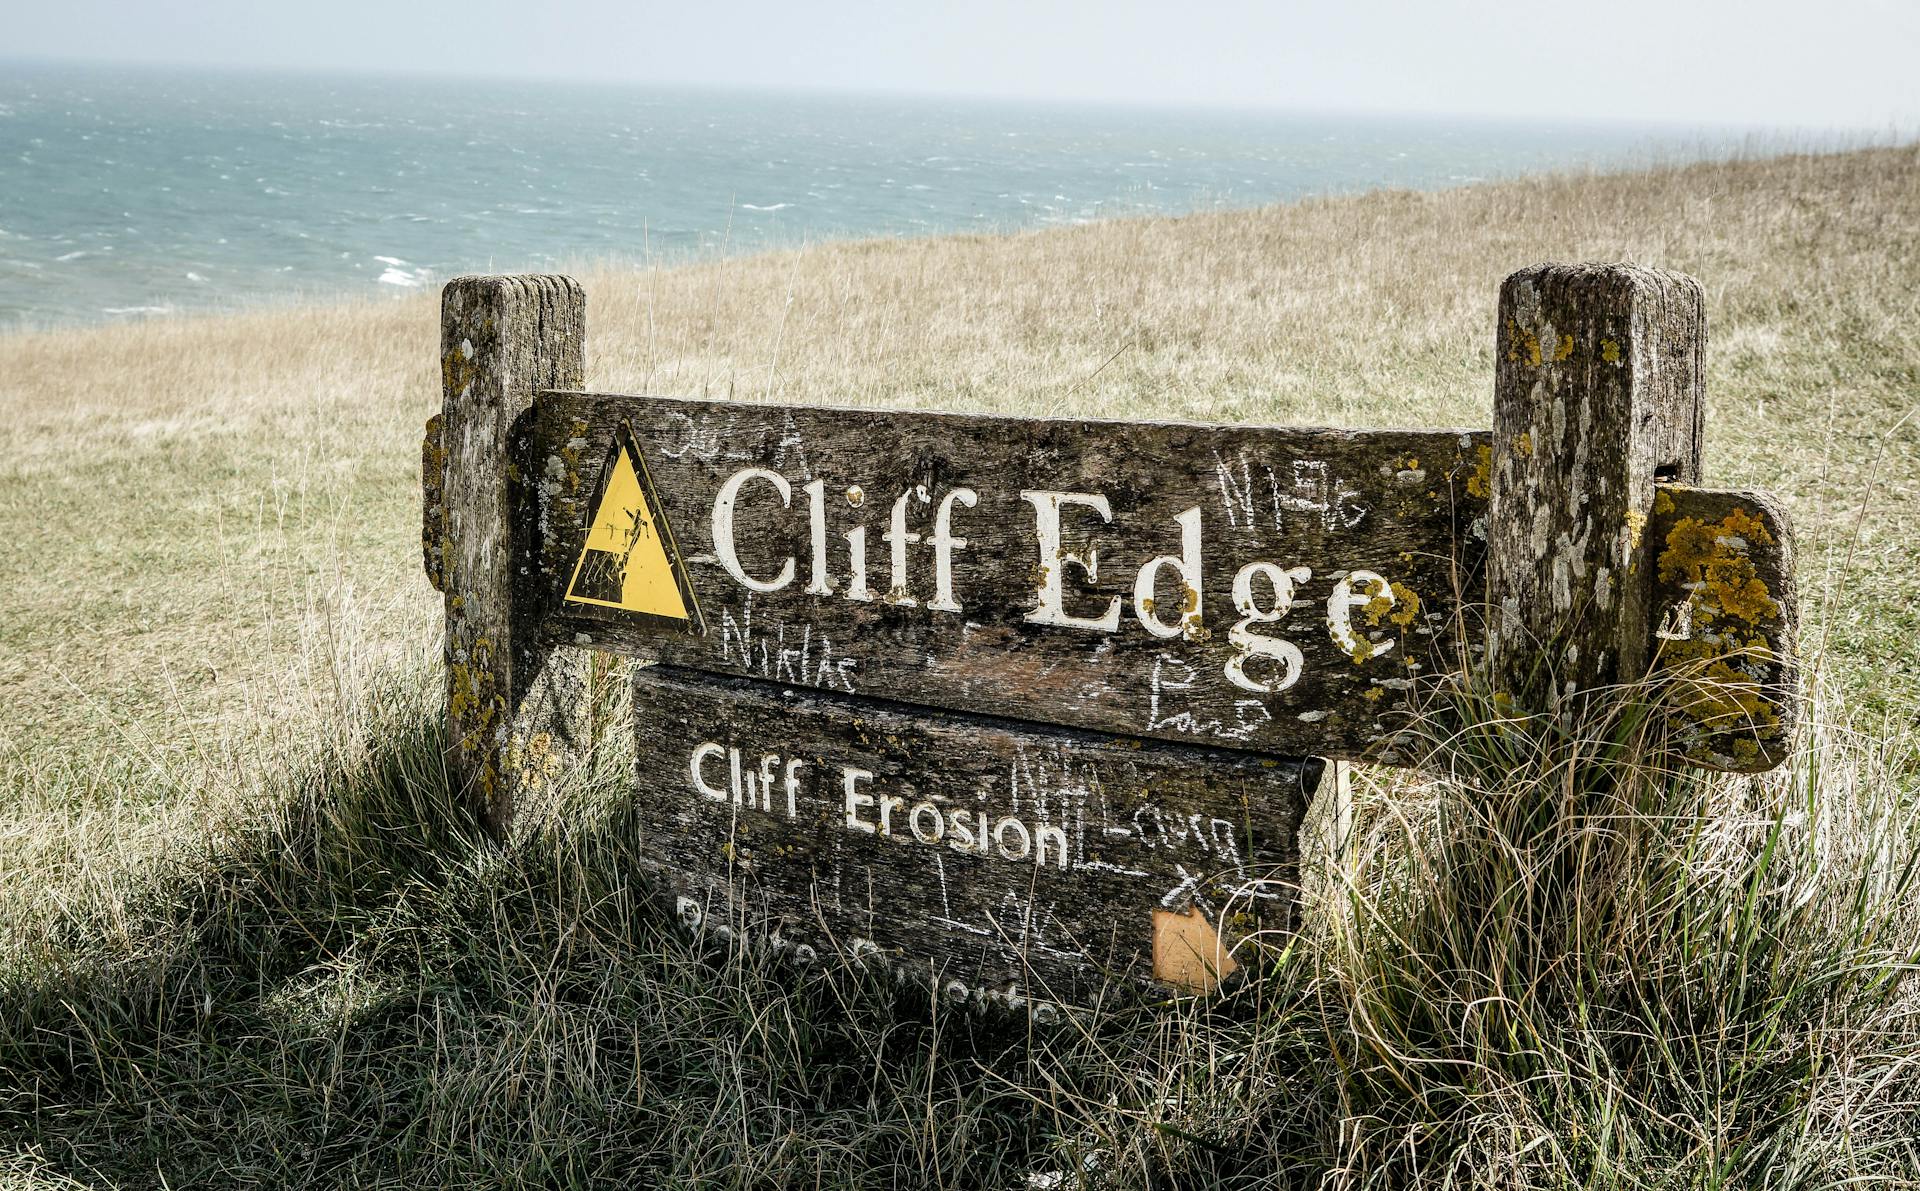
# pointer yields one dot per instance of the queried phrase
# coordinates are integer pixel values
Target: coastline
(155, 190)
(420, 281)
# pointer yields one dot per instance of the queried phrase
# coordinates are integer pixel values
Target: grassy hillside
(244, 939)
(192, 503)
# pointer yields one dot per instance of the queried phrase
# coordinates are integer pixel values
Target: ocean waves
(141, 192)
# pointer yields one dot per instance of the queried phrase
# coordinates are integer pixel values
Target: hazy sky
(1818, 63)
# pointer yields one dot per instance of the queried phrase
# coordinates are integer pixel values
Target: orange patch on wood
(1188, 953)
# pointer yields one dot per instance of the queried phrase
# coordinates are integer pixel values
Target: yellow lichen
(1712, 561)
(433, 448)
(458, 369)
(1522, 341)
(536, 760)
(1729, 647)
(1610, 350)
(1565, 350)
(1409, 605)
(1480, 483)
(1720, 695)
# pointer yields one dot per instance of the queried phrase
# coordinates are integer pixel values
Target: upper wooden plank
(1276, 590)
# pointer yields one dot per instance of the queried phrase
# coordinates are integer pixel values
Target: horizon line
(1894, 127)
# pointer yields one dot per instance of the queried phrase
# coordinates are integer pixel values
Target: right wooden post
(1598, 380)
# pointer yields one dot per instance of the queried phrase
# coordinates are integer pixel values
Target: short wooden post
(1326, 841)
(1597, 394)
(502, 339)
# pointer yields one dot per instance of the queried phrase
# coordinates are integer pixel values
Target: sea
(132, 192)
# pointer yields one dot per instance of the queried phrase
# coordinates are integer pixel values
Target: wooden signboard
(987, 855)
(1022, 705)
(1249, 588)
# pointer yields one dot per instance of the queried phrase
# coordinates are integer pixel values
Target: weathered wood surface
(1597, 394)
(433, 513)
(1725, 594)
(1003, 861)
(508, 710)
(1300, 581)
(1776, 634)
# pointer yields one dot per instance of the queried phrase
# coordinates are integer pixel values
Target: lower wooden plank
(999, 861)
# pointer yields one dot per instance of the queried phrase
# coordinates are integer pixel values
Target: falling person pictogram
(630, 561)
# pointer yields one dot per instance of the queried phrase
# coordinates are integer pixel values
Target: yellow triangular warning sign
(630, 561)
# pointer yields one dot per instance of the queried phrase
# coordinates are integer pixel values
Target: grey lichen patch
(1576, 441)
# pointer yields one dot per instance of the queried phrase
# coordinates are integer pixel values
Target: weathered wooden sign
(1021, 704)
(992, 856)
(1266, 589)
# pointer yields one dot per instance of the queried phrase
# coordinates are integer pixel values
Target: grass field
(243, 938)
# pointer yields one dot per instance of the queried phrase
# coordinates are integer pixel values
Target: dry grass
(311, 975)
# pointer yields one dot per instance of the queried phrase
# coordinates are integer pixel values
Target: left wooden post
(512, 706)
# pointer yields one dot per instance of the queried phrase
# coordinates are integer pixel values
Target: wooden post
(1326, 842)
(508, 709)
(1597, 394)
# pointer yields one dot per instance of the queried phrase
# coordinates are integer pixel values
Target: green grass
(1551, 964)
